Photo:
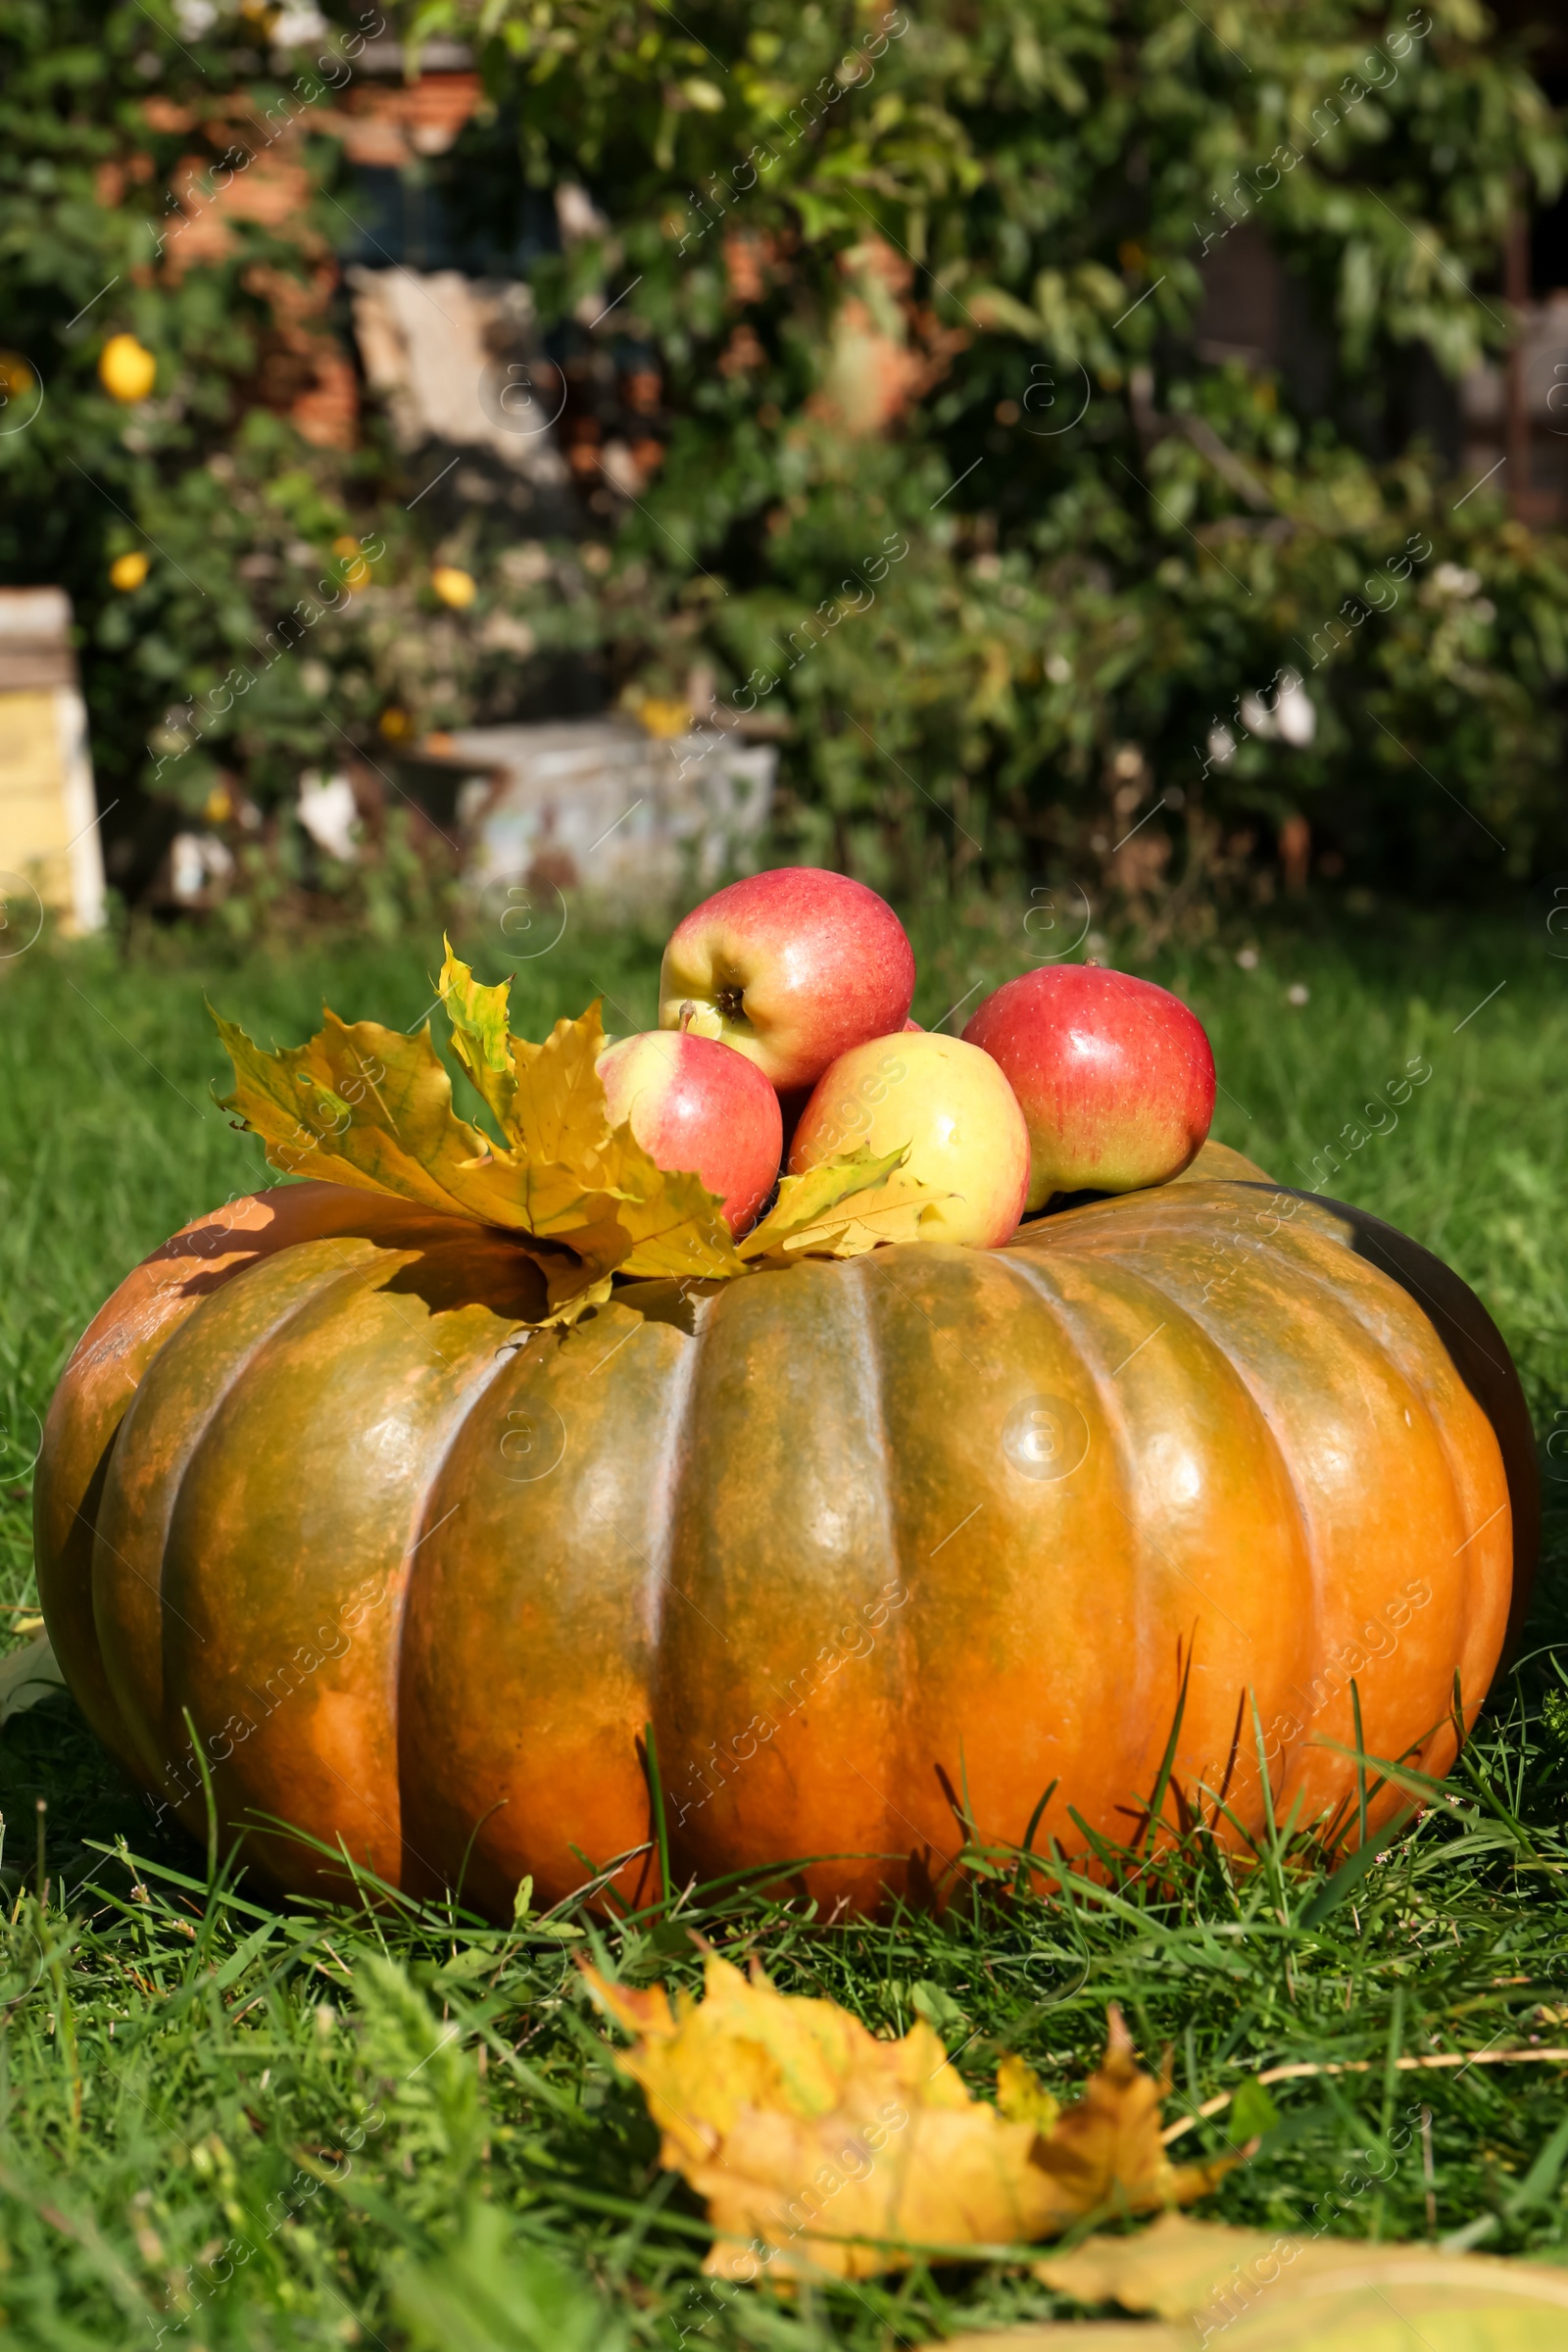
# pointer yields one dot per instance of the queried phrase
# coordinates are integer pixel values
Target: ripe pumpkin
(854, 1536)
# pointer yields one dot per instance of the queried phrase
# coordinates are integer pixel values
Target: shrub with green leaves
(946, 486)
(948, 502)
(100, 109)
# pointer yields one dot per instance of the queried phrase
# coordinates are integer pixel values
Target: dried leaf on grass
(1281, 2294)
(809, 2137)
(28, 1673)
(1022, 2098)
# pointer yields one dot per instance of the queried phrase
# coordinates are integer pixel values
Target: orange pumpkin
(853, 1537)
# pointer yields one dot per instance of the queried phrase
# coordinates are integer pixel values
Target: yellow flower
(217, 808)
(454, 587)
(126, 368)
(128, 571)
(395, 724)
(665, 716)
(356, 569)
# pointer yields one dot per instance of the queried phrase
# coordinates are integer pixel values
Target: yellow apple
(951, 1103)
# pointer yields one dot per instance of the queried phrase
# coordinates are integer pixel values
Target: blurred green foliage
(102, 109)
(947, 498)
(986, 226)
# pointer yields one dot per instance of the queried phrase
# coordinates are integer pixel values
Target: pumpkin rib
(927, 1770)
(1392, 1344)
(95, 1391)
(1440, 1425)
(1302, 1262)
(1479, 1355)
(404, 1763)
(1171, 1313)
(260, 1566)
(1110, 1247)
(522, 1626)
(142, 1518)
(1344, 1304)
(1022, 1266)
(1141, 1666)
(858, 1285)
(1392, 1347)
(674, 1470)
(898, 1766)
(1293, 1764)
(781, 1518)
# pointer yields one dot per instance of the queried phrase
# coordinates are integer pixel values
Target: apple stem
(688, 1015)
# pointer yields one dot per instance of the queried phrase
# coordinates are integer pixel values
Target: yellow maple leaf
(820, 2147)
(1022, 2098)
(584, 1182)
(1272, 2291)
(362, 1105)
(480, 1036)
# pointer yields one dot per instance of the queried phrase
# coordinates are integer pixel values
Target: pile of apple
(784, 1010)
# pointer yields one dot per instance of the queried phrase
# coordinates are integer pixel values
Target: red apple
(695, 1105)
(1115, 1076)
(952, 1107)
(791, 968)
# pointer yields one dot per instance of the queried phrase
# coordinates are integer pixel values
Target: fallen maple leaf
(582, 1181)
(816, 2144)
(1022, 2098)
(1268, 2293)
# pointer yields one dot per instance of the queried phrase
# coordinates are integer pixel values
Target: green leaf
(1252, 2112)
(494, 2290)
(994, 308)
(938, 2007)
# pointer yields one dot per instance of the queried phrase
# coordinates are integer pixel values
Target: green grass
(185, 2068)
